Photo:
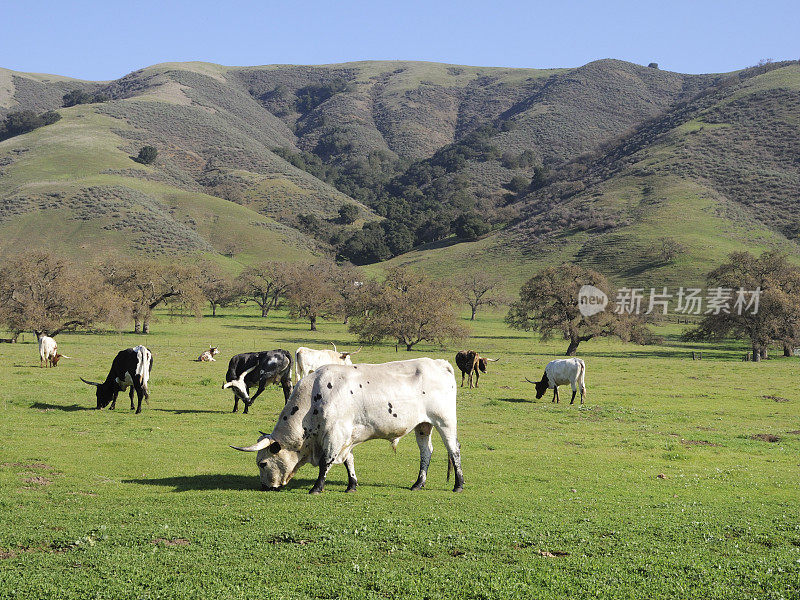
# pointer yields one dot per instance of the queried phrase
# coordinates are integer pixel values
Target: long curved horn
(334, 347)
(259, 445)
(262, 433)
(492, 359)
(90, 382)
(529, 381)
(351, 353)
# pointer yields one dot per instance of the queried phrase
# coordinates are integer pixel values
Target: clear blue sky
(105, 40)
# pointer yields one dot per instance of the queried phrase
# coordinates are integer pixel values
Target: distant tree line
(75, 97)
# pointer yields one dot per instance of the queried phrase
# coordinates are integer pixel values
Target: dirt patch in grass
(698, 443)
(553, 554)
(766, 437)
(37, 466)
(38, 480)
(170, 542)
(6, 554)
(776, 398)
(795, 432)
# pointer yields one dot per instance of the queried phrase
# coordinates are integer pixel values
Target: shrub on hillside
(147, 155)
(17, 123)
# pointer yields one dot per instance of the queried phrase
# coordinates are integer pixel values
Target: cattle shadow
(516, 400)
(194, 483)
(70, 408)
(190, 411)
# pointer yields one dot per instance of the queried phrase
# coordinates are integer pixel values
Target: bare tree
(47, 295)
(410, 308)
(665, 250)
(311, 294)
(480, 289)
(265, 283)
(548, 304)
(218, 287)
(147, 284)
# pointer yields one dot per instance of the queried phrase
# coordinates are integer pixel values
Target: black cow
(251, 368)
(130, 368)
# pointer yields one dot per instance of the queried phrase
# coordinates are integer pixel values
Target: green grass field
(656, 488)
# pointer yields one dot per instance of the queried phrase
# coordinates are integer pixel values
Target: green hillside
(626, 155)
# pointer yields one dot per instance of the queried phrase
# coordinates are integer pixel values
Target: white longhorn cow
(338, 407)
(308, 360)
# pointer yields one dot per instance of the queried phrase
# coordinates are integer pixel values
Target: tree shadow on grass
(70, 408)
(190, 483)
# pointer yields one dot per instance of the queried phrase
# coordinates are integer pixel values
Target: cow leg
(130, 393)
(574, 391)
(235, 402)
(352, 482)
(423, 433)
(113, 401)
(462, 378)
(454, 453)
(324, 467)
(555, 395)
(139, 396)
(477, 377)
(286, 383)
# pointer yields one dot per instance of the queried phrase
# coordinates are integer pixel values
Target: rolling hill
(630, 154)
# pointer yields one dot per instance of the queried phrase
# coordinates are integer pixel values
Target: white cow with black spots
(337, 407)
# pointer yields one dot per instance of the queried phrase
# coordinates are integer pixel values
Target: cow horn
(262, 433)
(492, 359)
(259, 445)
(90, 382)
(334, 347)
(529, 381)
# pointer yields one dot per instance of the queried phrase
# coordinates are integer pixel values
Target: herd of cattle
(334, 405)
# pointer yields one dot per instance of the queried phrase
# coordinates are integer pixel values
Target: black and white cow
(130, 369)
(562, 371)
(251, 368)
(337, 407)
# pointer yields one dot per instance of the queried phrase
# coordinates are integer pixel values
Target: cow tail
(581, 376)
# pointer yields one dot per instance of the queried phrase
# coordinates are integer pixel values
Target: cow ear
(274, 447)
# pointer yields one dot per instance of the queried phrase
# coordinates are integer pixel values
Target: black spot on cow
(394, 415)
(390, 411)
(351, 391)
(361, 386)
(317, 397)
(315, 411)
(355, 367)
(284, 418)
(296, 408)
(330, 385)
(390, 405)
(423, 391)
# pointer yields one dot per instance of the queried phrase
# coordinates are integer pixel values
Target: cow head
(541, 386)
(482, 364)
(276, 464)
(214, 350)
(105, 393)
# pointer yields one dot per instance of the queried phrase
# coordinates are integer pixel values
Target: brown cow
(469, 362)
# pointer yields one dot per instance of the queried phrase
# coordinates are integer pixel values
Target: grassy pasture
(560, 501)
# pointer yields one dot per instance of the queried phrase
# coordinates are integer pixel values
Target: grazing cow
(48, 352)
(469, 362)
(130, 368)
(308, 360)
(561, 372)
(251, 368)
(338, 407)
(208, 355)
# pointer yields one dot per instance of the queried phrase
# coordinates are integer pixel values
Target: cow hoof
(458, 488)
(350, 490)
(417, 487)
(315, 491)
